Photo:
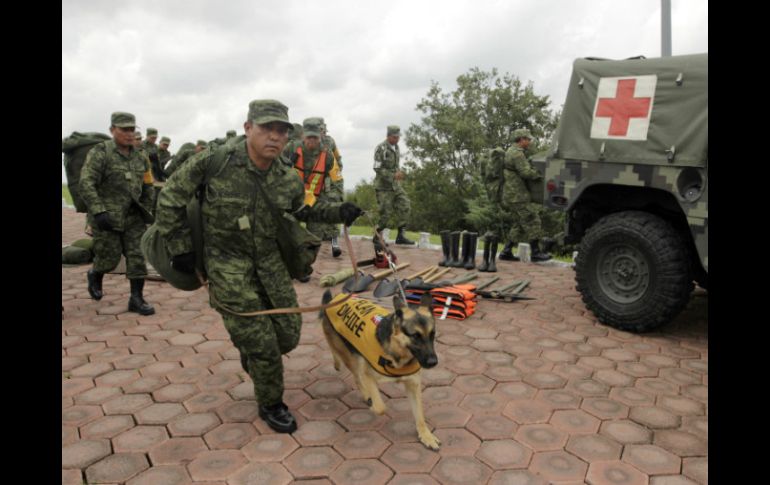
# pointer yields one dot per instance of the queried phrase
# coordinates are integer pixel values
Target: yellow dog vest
(356, 321)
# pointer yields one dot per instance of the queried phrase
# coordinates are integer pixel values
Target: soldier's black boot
(470, 260)
(445, 245)
(278, 417)
(136, 303)
(401, 237)
(537, 254)
(454, 239)
(336, 251)
(507, 254)
(95, 284)
(492, 268)
(485, 264)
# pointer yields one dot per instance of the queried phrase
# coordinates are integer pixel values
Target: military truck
(629, 165)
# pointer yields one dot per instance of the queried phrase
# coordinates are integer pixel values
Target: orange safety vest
(314, 181)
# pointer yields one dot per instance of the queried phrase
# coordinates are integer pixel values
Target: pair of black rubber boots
(136, 302)
(450, 245)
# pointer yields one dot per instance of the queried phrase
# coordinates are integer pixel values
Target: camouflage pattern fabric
(524, 222)
(329, 142)
(186, 151)
(121, 185)
(163, 156)
(241, 254)
(391, 197)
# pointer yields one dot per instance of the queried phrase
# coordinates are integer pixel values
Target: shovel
(351, 280)
(363, 283)
(387, 287)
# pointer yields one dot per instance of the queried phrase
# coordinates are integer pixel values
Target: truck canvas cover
(637, 111)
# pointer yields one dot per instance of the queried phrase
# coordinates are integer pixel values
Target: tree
(446, 146)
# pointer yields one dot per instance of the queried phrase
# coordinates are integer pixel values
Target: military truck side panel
(573, 178)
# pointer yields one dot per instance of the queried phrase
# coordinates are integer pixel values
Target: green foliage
(65, 192)
(455, 129)
(364, 197)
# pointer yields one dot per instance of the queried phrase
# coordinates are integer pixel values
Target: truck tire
(633, 271)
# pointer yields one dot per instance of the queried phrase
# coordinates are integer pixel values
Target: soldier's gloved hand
(184, 262)
(103, 221)
(349, 212)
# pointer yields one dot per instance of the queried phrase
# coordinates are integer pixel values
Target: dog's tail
(324, 300)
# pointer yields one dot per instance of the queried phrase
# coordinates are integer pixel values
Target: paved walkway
(527, 393)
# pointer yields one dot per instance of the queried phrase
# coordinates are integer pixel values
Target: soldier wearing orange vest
(317, 167)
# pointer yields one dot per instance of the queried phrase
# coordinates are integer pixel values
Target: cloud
(190, 68)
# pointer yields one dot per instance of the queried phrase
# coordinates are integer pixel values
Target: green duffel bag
(76, 255)
(156, 253)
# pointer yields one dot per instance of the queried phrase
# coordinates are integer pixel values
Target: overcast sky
(190, 67)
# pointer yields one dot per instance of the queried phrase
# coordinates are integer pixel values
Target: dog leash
(280, 311)
(387, 258)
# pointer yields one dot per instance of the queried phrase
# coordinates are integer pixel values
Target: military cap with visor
(312, 127)
(123, 120)
(230, 133)
(263, 111)
(152, 131)
(522, 133)
(394, 130)
(202, 143)
(165, 139)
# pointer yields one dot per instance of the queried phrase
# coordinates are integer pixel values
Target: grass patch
(65, 192)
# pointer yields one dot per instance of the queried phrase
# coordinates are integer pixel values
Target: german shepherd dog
(404, 336)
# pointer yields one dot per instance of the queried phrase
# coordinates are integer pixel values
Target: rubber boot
(470, 262)
(507, 254)
(483, 267)
(278, 417)
(466, 237)
(445, 245)
(401, 237)
(455, 262)
(492, 267)
(95, 284)
(336, 251)
(136, 303)
(537, 254)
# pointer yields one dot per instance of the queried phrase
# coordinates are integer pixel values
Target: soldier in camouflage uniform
(116, 185)
(163, 154)
(138, 140)
(516, 201)
(321, 175)
(185, 152)
(391, 197)
(242, 259)
(328, 141)
(151, 149)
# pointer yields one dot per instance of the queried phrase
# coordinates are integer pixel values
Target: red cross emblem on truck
(623, 107)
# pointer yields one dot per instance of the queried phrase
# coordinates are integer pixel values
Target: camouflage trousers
(261, 340)
(525, 224)
(393, 203)
(109, 245)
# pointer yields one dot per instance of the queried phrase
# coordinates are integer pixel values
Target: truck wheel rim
(623, 273)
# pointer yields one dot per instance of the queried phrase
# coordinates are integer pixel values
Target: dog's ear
(426, 299)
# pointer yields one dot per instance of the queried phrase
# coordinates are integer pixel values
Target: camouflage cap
(522, 133)
(165, 139)
(311, 127)
(137, 135)
(202, 143)
(263, 111)
(152, 131)
(394, 130)
(297, 129)
(122, 119)
(230, 133)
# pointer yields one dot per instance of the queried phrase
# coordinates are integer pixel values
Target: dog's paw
(430, 441)
(378, 408)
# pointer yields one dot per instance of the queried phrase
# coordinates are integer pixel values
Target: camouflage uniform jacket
(239, 233)
(181, 156)
(516, 170)
(163, 156)
(116, 183)
(329, 142)
(386, 164)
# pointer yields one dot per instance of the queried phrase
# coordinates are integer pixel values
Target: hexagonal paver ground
(534, 392)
